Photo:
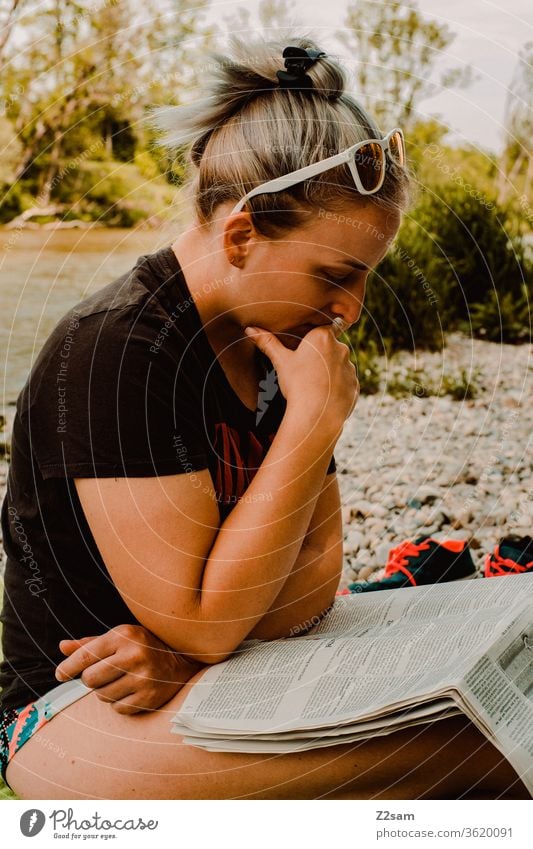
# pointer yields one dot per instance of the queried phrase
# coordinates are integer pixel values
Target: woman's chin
(290, 339)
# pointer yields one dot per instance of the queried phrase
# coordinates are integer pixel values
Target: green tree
(517, 157)
(80, 79)
(397, 52)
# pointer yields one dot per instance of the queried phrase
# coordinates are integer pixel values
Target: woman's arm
(311, 586)
(200, 588)
(129, 667)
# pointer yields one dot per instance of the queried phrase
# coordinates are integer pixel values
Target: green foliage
(12, 201)
(367, 364)
(6, 795)
(402, 309)
(474, 252)
(503, 317)
(454, 265)
(116, 194)
(461, 387)
(76, 88)
(397, 49)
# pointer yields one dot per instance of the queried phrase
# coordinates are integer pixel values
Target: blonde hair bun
(245, 128)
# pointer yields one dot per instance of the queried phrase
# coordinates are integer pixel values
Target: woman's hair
(247, 130)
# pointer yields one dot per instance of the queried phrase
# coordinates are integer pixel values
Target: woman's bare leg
(89, 751)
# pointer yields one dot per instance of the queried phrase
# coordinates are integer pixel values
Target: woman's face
(309, 277)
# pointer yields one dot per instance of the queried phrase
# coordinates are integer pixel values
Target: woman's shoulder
(134, 294)
(121, 332)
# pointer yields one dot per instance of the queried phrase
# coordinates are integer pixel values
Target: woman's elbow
(209, 658)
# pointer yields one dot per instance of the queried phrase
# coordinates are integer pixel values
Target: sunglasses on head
(366, 161)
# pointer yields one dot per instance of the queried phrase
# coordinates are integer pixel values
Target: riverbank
(436, 466)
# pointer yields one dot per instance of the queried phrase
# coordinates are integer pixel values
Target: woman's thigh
(89, 751)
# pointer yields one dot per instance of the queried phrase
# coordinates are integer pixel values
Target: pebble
(354, 540)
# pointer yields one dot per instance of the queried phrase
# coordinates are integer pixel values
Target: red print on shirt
(239, 455)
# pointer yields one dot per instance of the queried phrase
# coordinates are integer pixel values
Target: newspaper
(377, 663)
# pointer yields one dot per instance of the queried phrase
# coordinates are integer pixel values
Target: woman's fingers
(69, 646)
(104, 672)
(85, 655)
(124, 686)
(268, 344)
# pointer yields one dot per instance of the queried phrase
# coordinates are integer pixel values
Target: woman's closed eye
(331, 277)
(335, 280)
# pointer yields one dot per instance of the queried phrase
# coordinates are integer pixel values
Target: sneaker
(511, 556)
(424, 561)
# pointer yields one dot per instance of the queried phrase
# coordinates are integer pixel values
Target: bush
(12, 202)
(475, 252)
(368, 369)
(118, 195)
(450, 258)
(461, 387)
(502, 318)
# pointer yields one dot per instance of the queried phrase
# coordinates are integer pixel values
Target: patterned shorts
(17, 725)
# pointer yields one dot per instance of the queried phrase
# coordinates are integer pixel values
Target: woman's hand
(127, 666)
(317, 377)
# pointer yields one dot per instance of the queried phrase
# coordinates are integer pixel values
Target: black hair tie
(297, 61)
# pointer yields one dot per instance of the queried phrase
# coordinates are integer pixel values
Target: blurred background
(447, 322)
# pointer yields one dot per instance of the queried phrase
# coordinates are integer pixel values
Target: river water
(45, 272)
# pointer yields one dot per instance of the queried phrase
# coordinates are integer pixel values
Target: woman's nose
(348, 303)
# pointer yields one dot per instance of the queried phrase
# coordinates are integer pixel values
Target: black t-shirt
(127, 385)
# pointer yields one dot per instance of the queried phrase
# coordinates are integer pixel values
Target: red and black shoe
(424, 561)
(512, 556)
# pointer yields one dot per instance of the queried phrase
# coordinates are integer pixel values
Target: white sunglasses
(366, 161)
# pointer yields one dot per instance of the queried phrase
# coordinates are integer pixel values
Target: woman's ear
(237, 237)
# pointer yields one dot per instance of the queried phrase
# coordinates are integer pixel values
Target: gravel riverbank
(436, 466)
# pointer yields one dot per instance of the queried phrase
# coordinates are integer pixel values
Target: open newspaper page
(497, 692)
(376, 663)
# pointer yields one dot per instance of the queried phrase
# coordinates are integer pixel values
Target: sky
(489, 38)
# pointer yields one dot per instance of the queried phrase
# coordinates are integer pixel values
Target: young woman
(172, 489)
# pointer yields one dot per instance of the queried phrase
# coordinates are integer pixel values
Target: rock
(522, 531)
(436, 520)
(363, 556)
(346, 513)
(428, 494)
(362, 508)
(382, 553)
(415, 503)
(354, 540)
